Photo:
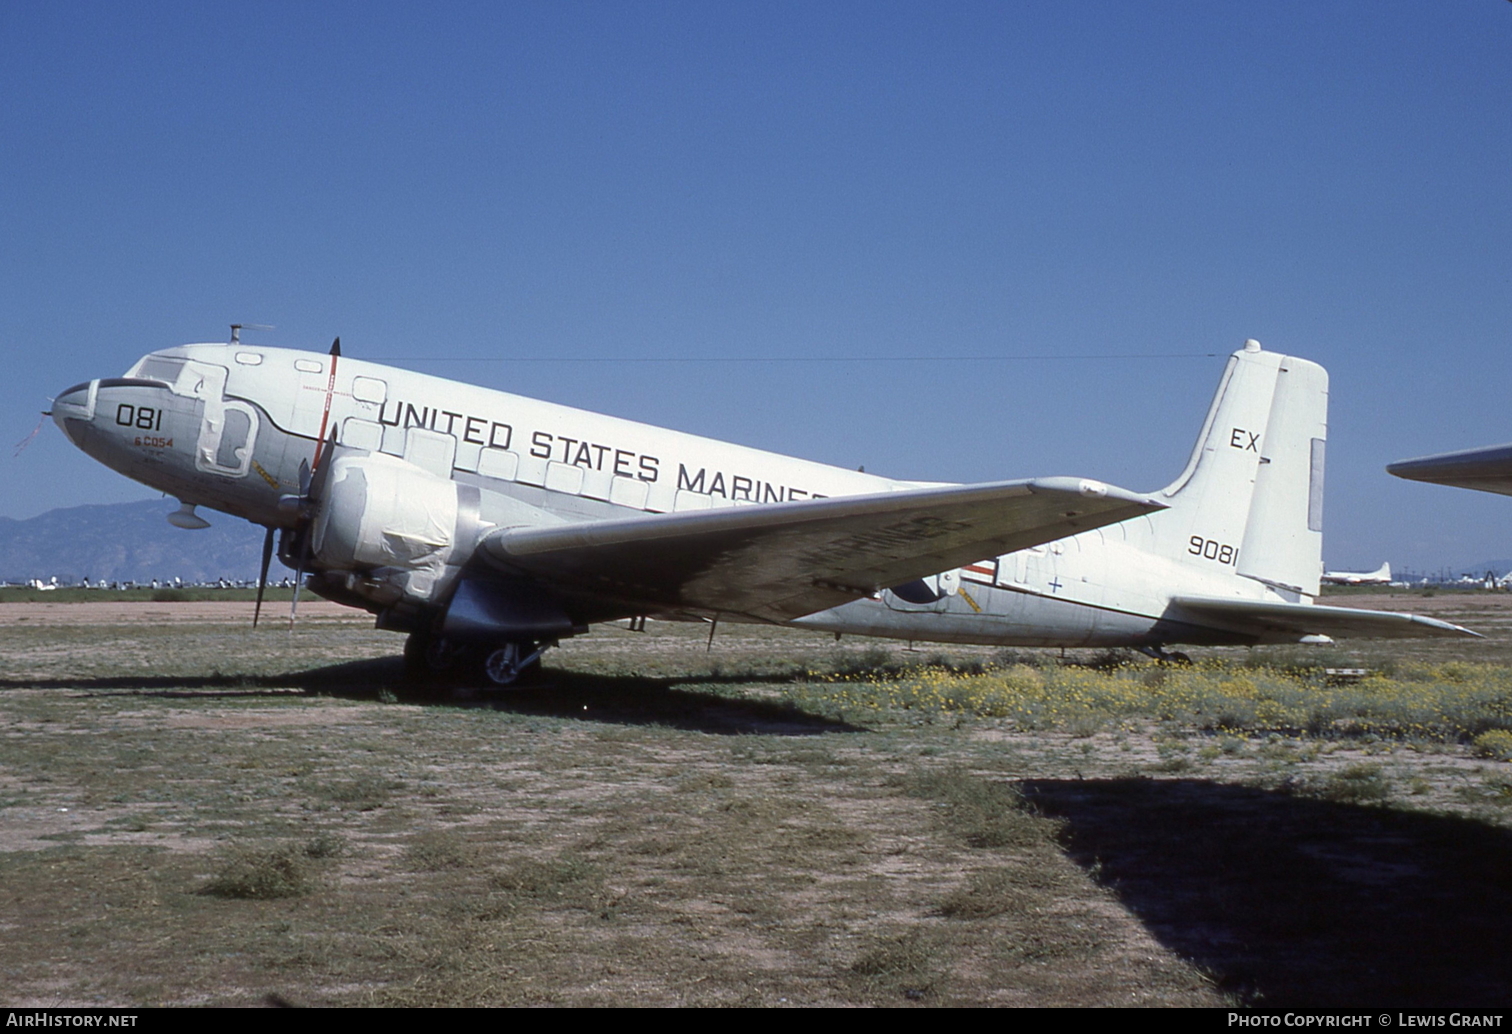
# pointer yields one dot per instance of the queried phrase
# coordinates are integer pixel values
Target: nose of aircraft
(73, 409)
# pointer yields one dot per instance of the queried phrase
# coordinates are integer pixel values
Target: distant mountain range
(129, 542)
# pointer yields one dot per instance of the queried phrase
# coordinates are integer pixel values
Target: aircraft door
(228, 427)
(1025, 567)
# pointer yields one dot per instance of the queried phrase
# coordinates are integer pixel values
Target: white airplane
(490, 526)
(1380, 576)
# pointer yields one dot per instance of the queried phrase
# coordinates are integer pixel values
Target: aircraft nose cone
(72, 410)
(77, 396)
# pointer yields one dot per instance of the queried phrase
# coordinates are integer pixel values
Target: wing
(1486, 470)
(782, 561)
(1291, 621)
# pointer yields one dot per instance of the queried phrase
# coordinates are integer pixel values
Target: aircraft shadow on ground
(616, 699)
(1299, 902)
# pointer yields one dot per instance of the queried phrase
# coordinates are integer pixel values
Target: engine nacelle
(394, 524)
(925, 591)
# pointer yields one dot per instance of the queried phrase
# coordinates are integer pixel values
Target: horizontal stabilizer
(781, 561)
(1485, 470)
(1272, 619)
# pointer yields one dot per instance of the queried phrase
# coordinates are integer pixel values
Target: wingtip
(1446, 627)
(1485, 461)
(1090, 488)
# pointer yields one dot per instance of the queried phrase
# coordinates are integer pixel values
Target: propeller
(262, 575)
(312, 483)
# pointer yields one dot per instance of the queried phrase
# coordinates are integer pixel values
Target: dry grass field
(194, 813)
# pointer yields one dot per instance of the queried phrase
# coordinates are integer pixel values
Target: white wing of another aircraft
(1487, 469)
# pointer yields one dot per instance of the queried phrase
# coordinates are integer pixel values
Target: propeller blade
(320, 477)
(262, 576)
(304, 562)
(298, 581)
(312, 486)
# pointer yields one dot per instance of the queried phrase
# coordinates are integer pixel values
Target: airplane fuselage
(238, 428)
(229, 426)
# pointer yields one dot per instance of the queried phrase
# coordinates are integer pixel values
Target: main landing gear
(514, 663)
(433, 659)
(1165, 656)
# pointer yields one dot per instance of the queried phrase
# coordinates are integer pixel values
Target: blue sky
(468, 186)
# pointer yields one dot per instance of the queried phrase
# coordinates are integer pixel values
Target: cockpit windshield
(157, 368)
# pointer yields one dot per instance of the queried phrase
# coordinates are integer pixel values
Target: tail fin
(1251, 496)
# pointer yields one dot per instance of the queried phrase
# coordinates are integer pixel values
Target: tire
(502, 668)
(429, 664)
(415, 648)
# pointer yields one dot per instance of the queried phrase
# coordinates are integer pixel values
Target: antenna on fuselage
(237, 328)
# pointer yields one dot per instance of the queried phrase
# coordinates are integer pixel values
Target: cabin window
(564, 477)
(629, 492)
(369, 389)
(496, 463)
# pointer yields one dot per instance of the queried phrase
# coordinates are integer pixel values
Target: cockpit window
(159, 368)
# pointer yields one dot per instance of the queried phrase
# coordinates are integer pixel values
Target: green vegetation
(276, 871)
(1494, 743)
(1450, 703)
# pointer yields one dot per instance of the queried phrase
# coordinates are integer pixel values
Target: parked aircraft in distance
(489, 526)
(1486, 469)
(1380, 576)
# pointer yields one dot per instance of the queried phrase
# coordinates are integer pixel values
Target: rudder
(1251, 496)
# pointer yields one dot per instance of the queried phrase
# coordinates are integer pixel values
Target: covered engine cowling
(395, 524)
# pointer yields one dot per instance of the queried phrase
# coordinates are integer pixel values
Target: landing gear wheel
(425, 654)
(429, 661)
(513, 664)
(414, 655)
(1165, 656)
(441, 655)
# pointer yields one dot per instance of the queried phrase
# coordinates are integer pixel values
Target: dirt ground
(121, 613)
(193, 813)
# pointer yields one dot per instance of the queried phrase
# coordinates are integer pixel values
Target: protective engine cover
(381, 512)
